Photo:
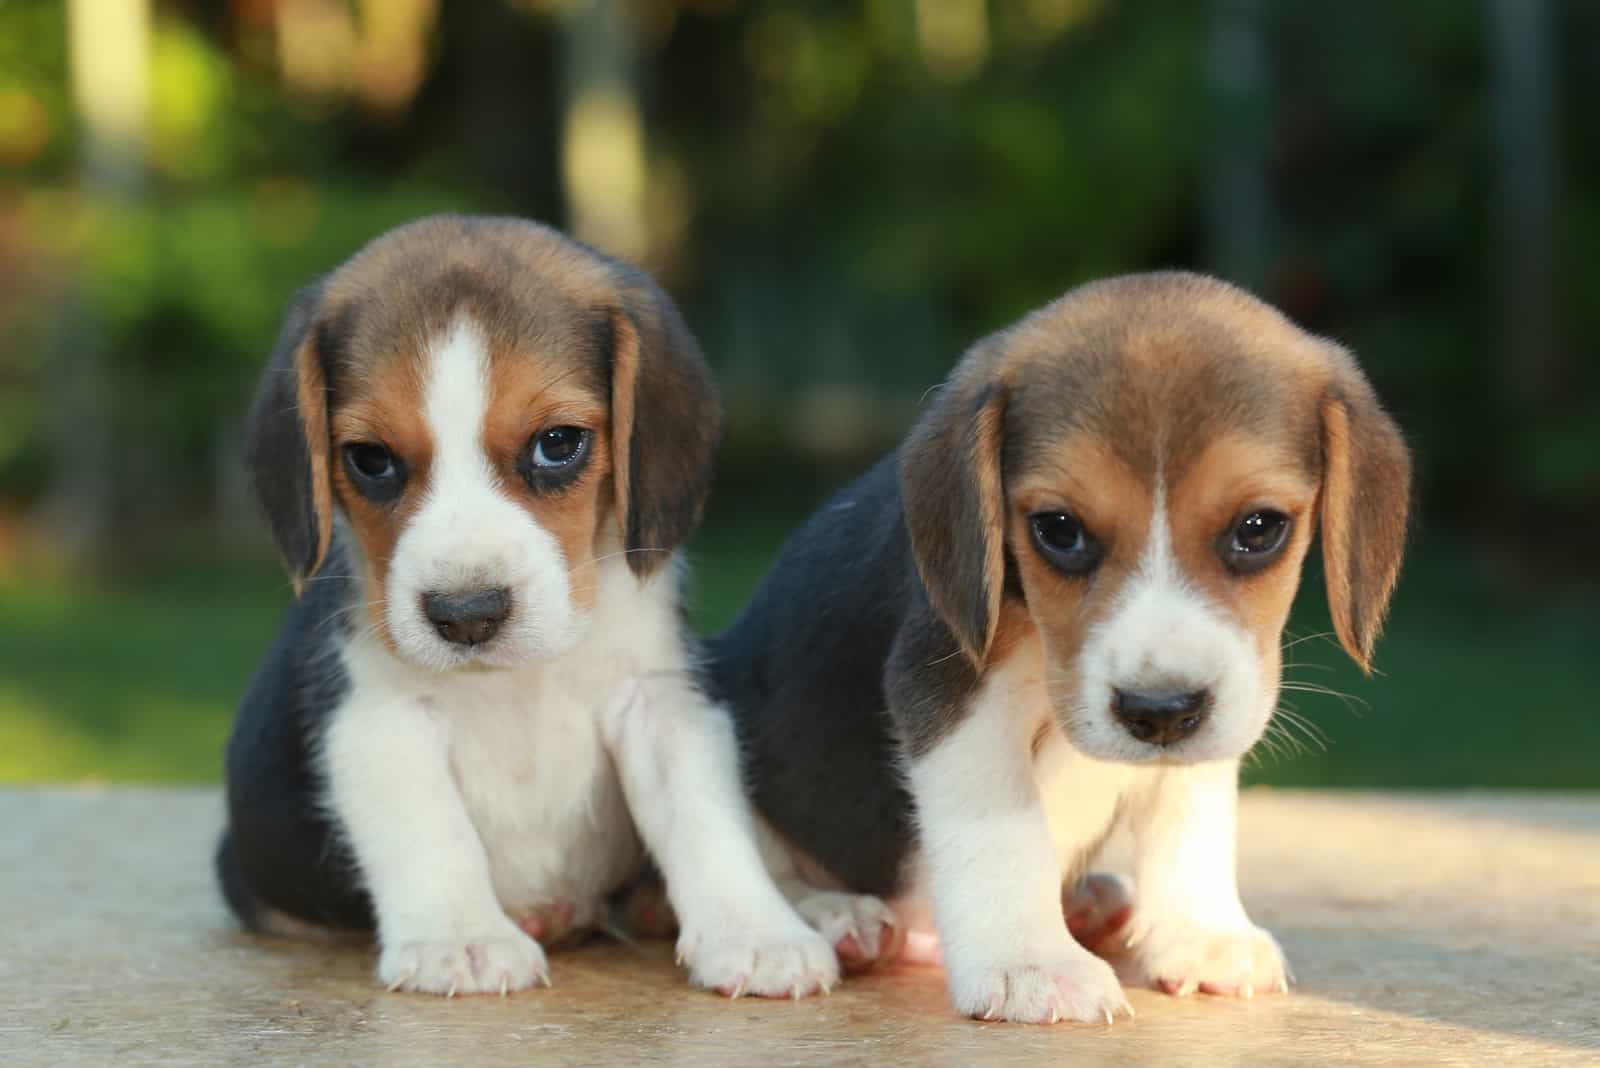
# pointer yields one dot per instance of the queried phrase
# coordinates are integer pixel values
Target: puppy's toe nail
(1247, 991)
(452, 991)
(1187, 987)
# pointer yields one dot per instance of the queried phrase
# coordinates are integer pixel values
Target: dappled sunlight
(110, 44)
(841, 198)
(316, 44)
(603, 167)
(376, 49)
(25, 127)
(155, 737)
(392, 56)
(954, 36)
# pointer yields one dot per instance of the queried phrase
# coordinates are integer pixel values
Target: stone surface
(1456, 929)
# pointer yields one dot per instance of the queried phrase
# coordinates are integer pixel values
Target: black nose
(1162, 718)
(470, 617)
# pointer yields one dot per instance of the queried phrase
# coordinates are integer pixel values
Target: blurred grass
(136, 680)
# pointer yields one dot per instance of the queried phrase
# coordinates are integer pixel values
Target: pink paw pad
(549, 924)
(1096, 909)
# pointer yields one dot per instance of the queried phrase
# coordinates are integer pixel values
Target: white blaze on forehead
(468, 531)
(1158, 564)
(455, 402)
(1160, 633)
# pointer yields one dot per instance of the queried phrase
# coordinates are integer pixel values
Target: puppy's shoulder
(303, 676)
(834, 594)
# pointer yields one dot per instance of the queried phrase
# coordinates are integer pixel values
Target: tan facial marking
(1233, 476)
(383, 407)
(531, 392)
(311, 394)
(1084, 476)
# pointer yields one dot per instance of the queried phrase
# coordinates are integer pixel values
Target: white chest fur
(1081, 796)
(527, 756)
(520, 751)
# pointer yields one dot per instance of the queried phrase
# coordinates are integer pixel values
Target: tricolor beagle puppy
(479, 445)
(1056, 609)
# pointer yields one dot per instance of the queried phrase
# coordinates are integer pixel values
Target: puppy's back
(280, 853)
(802, 671)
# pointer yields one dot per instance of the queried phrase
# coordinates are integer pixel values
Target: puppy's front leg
(441, 929)
(679, 766)
(995, 878)
(1190, 931)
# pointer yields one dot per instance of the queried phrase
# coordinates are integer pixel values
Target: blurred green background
(842, 197)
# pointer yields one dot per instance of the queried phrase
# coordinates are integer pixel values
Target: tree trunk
(109, 46)
(602, 139)
(1237, 209)
(1525, 165)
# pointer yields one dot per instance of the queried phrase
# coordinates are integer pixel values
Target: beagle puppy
(479, 445)
(1056, 609)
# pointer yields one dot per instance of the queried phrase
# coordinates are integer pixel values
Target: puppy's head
(1135, 472)
(493, 410)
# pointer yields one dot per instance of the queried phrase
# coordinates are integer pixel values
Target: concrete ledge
(1459, 929)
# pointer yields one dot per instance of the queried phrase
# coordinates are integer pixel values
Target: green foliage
(855, 203)
(138, 681)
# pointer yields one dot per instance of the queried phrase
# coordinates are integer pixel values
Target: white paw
(1180, 957)
(771, 960)
(497, 961)
(862, 930)
(1065, 983)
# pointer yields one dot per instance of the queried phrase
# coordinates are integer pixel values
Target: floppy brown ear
(1366, 497)
(665, 425)
(954, 501)
(287, 446)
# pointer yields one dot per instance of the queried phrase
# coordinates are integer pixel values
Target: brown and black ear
(1366, 498)
(665, 425)
(287, 445)
(954, 500)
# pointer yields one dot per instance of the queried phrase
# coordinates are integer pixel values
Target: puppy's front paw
(497, 961)
(1180, 957)
(862, 929)
(1066, 984)
(772, 960)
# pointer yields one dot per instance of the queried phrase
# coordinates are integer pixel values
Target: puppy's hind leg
(862, 929)
(1098, 907)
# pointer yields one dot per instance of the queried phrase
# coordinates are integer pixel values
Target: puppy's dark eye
(1064, 542)
(1255, 541)
(554, 457)
(558, 446)
(376, 473)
